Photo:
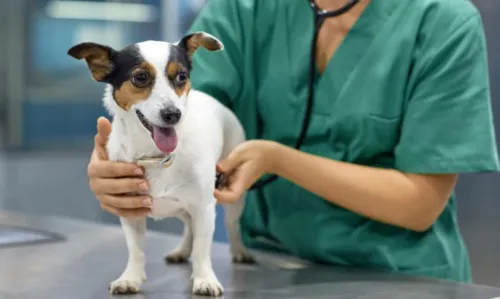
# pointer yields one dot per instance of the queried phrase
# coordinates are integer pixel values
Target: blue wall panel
(45, 121)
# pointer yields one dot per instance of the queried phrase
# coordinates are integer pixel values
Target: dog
(178, 134)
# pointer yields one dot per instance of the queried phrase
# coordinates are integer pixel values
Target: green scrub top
(407, 89)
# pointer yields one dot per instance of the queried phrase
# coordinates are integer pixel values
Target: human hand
(114, 182)
(244, 166)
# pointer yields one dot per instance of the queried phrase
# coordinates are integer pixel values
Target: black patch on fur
(124, 62)
(178, 53)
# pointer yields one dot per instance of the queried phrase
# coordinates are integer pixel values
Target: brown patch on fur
(128, 94)
(173, 68)
(148, 68)
(183, 89)
(199, 39)
(97, 58)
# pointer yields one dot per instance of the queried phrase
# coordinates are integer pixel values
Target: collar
(158, 162)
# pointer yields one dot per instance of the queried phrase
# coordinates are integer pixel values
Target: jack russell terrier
(178, 134)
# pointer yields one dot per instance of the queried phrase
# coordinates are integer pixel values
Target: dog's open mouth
(165, 138)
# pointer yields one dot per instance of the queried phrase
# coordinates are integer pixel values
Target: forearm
(384, 195)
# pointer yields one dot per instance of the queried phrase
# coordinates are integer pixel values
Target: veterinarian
(401, 107)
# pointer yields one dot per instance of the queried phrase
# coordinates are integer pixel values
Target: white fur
(207, 132)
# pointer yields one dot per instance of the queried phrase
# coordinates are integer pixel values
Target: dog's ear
(195, 40)
(98, 57)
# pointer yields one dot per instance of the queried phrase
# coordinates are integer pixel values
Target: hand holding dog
(113, 182)
(244, 166)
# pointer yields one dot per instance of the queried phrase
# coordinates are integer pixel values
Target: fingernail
(138, 171)
(143, 187)
(146, 202)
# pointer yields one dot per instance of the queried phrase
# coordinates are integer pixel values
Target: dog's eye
(140, 80)
(181, 78)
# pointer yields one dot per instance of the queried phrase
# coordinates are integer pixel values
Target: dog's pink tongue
(165, 139)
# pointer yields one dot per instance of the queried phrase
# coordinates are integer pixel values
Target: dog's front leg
(183, 251)
(135, 274)
(205, 282)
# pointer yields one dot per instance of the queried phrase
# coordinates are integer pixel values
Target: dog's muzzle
(144, 122)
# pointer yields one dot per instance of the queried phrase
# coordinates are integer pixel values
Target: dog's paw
(177, 257)
(244, 258)
(125, 286)
(207, 287)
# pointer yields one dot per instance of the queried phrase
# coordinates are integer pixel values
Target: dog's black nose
(170, 115)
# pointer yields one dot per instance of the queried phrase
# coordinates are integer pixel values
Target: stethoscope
(320, 15)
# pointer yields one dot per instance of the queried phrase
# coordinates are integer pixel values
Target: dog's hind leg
(183, 251)
(135, 273)
(232, 213)
(234, 135)
(205, 282)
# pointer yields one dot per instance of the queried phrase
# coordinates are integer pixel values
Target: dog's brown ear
(98, 57)
(195, 40)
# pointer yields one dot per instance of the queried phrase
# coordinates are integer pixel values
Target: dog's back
(217, 125)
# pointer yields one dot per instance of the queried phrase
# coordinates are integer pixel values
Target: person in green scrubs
(401, 108)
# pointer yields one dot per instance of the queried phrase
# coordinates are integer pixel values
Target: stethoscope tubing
(320, 15)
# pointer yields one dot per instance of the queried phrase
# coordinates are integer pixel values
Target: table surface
(90, 255)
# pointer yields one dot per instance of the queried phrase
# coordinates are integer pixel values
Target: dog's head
(149, 80)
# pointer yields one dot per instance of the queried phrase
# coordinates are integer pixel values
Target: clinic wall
(478, 194)
(3, 68)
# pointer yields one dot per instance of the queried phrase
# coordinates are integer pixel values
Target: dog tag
(167, 161)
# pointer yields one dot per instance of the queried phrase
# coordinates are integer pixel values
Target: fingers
(118, 186)
(110, 169)
(103, 131)
(229, 164)
(125, 201)
(101, 139)
(109, 178)
(99, 151)
(237, 184)
(226, 196)
(129, 213)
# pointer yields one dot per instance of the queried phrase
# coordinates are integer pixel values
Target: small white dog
(178, 135)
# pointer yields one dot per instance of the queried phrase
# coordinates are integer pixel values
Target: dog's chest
(163, 182)
(166, 207)
(173, 189)
(170, 190)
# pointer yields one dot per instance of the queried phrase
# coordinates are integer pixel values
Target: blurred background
(49, 107)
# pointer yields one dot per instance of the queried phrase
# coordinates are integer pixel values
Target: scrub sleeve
(448, 125)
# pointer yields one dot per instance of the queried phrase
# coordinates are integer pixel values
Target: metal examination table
(66, 259)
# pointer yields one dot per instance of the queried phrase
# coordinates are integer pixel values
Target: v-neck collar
(358, 25)
(356, 40)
